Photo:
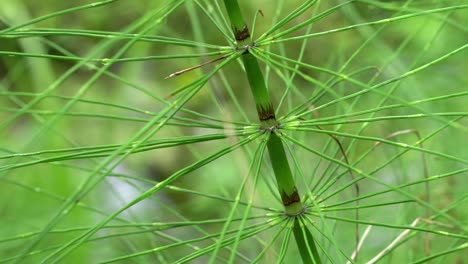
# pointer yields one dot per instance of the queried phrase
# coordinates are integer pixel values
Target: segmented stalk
(266, 112)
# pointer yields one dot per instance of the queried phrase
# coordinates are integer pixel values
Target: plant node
(292, 203)
(247, 47)
(275, 126)
(295, 210)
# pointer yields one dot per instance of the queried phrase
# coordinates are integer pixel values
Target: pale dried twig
(394, 242)
(427, 243)
(359, 245)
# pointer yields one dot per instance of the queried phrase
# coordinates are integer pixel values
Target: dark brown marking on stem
(266, 113)
(241, 34)
(290, 199)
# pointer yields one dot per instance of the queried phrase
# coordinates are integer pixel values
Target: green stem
(266, 113)
(305, 242)
(239, 27)
(286, 185)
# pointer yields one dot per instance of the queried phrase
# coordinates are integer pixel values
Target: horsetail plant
(268, 123)
(352, 149)
(266, 112)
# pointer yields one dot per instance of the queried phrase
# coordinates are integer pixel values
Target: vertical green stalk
(266, 113)
(305, 243)
(239, 27)
(286, 185)
(265, 110)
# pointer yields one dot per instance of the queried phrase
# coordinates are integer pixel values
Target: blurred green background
(107, 114)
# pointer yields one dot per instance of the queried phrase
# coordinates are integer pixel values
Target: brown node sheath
(242, 34)
(288, 200)
(266, 113)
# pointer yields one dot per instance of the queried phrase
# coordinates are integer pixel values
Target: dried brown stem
(195, 67)
(356, 185)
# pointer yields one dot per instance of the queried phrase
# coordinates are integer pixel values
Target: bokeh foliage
(131, 92)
